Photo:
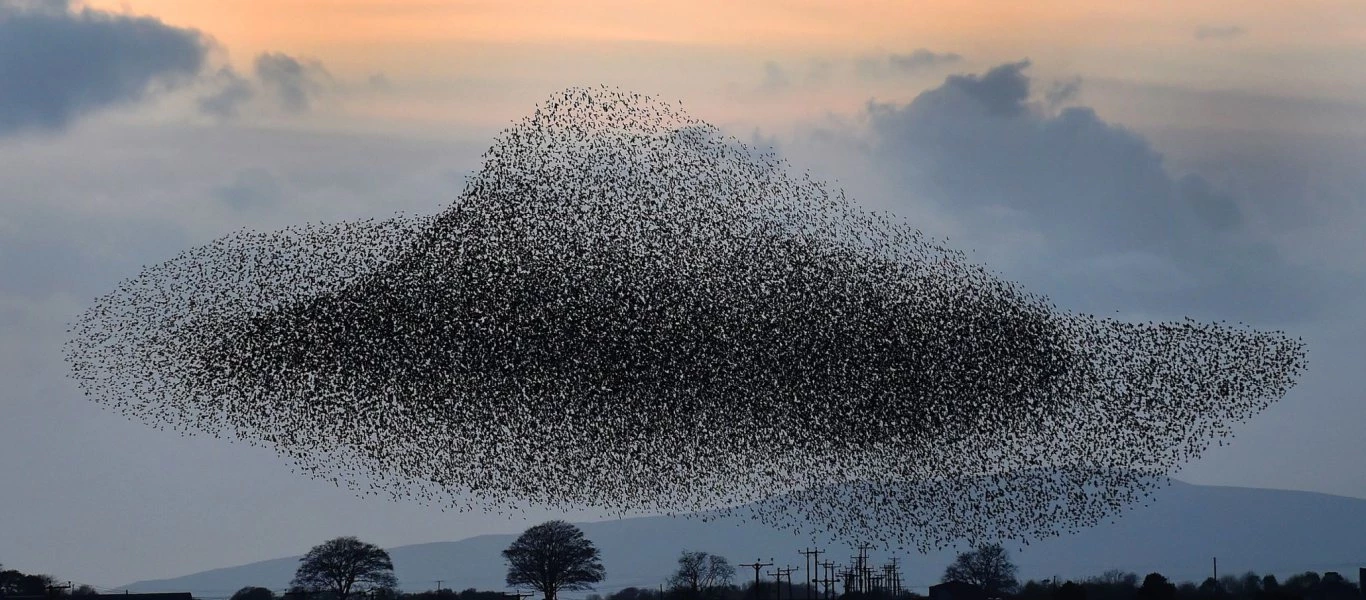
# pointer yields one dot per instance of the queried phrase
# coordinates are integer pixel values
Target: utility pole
(786, 573)
(1216, 570)
(778, 575)
(896, 577)
(865, 573)
(438, 586)
(813, 557)
(828, 581)
(757, 564)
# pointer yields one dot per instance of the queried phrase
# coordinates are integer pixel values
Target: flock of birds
(626, 309)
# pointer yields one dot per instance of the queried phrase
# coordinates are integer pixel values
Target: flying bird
(627, 309)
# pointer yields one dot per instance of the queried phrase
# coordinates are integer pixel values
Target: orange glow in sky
(1311, 48)
(349, 30)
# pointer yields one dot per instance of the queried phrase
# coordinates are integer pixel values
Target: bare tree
(988, 567)
(553, 556)
(699, 571)
(345, 565)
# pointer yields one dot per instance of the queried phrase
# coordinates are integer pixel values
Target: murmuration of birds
(628, 310)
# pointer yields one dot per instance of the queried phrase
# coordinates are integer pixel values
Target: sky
(1136, 159)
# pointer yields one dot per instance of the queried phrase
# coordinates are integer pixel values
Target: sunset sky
(1052, 138)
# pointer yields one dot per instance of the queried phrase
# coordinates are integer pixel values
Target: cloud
(59, 63)
(231, 92)
(379, 82)
(763, 143)
(819, 71)
(250, 189)
(292, 85)
(1002, 91)
(295, 84)
(1216, 209)
(1079, 204)
(775, 77)
(1218, 32)
(921, 58)
(1062, 92)
(813, 73)
(910, 63)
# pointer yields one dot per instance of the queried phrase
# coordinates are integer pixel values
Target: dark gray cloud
(58, 62)
(1218, 32)
(908, 63)
(1002, 91)
(985, 145)
(1216, 209)
(294, 83)
(1098, 198)
(231, 91)
(1062, 92)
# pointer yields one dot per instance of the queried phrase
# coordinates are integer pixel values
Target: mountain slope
(1178, 534)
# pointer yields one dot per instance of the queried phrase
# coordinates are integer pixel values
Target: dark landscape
(1266, 531)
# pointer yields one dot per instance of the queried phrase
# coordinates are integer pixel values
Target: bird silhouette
(626, 309)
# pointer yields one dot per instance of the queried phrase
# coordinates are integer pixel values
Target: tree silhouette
(1303, 584)
(345, 565)
(699, 571)
(1210, 587)
(1070, 591)
(988, 567)
(1156, 587)
(18, 583)
(553, 556)
(253, 593)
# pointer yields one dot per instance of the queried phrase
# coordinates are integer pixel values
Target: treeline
(1118, 585)
(18, 583)
(555, 556)
(297, 593)
(1112, 585)
(767, 590)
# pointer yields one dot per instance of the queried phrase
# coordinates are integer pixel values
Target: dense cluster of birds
(626, 309)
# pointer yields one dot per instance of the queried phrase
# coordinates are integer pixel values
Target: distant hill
(1264, 530)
